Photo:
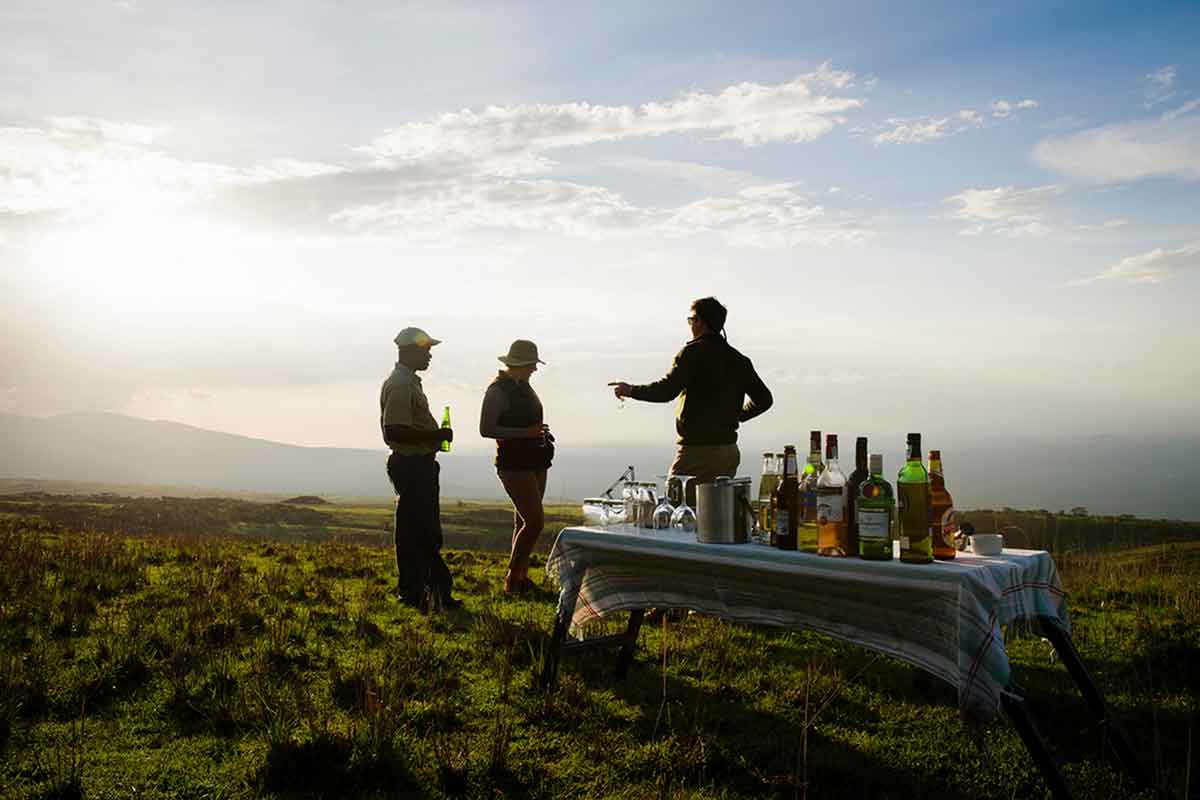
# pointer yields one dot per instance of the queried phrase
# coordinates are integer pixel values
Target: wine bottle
(875, 508)
(787, 503)
(853, 483)
(812, 471)
(913, 487)
(446, 424)
(942, 521)
(831, 504)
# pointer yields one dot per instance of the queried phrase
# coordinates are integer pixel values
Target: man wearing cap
(409, 429)
(712, 381)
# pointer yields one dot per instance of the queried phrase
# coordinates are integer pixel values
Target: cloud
(81, 166)
(453, 174)
(1160, 85)
(915, 130)
(1002, 109)
(1155, 266)
(1128, 151)
(1005, 210)
(510, 140)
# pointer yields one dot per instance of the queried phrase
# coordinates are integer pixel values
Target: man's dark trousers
(418, 530)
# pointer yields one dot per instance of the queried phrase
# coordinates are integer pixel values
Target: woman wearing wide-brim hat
(512, 415)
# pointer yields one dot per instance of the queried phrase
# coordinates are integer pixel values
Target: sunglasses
(691, 318)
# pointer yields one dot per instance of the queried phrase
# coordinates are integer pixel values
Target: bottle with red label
(943, 524)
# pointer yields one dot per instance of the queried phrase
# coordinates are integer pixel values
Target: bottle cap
(876, 462)
(935, 455)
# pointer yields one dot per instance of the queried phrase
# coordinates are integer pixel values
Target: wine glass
(664, 511)
(684, 517)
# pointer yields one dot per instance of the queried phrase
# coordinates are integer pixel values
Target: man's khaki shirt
(402, 401)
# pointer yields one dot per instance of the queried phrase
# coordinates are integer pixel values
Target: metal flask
(715, 513)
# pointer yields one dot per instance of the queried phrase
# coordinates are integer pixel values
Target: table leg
(553, 652)
(1061, 641)
(1014, 706)
(625, 658)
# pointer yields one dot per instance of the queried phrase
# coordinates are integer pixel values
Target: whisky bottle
(853, 483)
(913, 518)
(875, 508)
(831, 504)
(942, 521)
(787, 503)
(812, 471)
(766, 488)
(446, 424)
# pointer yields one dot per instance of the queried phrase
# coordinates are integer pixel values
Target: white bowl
(987, 544)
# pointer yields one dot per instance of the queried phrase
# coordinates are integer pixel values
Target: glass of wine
(664, 511)
(684, 517)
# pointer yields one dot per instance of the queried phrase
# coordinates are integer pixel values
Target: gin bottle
(875, 508)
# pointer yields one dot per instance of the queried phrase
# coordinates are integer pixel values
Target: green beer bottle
(446, 424)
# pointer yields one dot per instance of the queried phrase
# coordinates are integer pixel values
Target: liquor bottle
(943, 523)
(913, 518)
(446, 424)
(812, 471)
(787, 503)
(875, 508)
(766, 488)
(831, 504)
(853, 483)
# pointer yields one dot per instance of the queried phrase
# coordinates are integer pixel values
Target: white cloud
(79, 166)
(1005, 210)
(925, 129)
(509, 140)
(1160, 85)
(1153, 267)
(1127, 151)
(1002, 109)
(456, 173)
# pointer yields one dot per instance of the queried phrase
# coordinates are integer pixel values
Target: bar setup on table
(938, 607)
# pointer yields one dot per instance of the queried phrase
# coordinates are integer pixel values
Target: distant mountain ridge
(122, 449)
(1150, 476)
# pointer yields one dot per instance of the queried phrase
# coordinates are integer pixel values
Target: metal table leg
(1061, 641)
(559, 645)
(1014, 706)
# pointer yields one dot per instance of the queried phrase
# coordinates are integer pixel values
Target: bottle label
(873, 525)
(830, 508)
(781, 523)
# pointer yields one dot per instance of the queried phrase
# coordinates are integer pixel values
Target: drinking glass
(684, 517)
(664, 511)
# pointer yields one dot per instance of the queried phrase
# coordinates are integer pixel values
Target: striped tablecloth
(944, 617)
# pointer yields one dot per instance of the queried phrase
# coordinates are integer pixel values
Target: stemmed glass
(684, 517)
(664, 511)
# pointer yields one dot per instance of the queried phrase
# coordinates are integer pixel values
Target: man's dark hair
(711, 313)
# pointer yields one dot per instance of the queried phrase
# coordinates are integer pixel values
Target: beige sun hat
(415, 336)
(521, 353)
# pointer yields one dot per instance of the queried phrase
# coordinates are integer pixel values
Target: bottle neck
(860, 456)
(789, 466)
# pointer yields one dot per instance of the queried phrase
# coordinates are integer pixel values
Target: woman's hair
(711, 312)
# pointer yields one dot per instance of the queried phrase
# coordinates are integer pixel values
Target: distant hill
(116, 449)
(120, 449)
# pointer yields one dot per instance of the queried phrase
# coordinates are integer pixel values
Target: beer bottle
(942, 521)
(913, 519)
(446, 424)
(787, 503)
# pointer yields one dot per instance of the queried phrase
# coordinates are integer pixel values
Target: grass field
(141, 657)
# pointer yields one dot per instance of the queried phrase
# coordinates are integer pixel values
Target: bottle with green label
(446, 424)
(875, 508)
(916, 546)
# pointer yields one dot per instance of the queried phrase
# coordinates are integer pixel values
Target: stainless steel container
(743, 511)
(715, 513)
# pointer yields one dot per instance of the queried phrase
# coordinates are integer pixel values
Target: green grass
(236, 666)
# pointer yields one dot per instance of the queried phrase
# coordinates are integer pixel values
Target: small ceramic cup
(987, 544)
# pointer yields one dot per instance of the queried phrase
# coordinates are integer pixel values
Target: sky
(965, 221)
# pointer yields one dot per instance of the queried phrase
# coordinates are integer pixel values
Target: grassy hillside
(236, 665)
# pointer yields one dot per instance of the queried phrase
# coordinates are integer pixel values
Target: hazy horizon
(971, 222)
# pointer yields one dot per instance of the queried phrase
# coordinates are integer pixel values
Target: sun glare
(145, 261)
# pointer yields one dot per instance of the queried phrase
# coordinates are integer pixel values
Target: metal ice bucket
(716, 508)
